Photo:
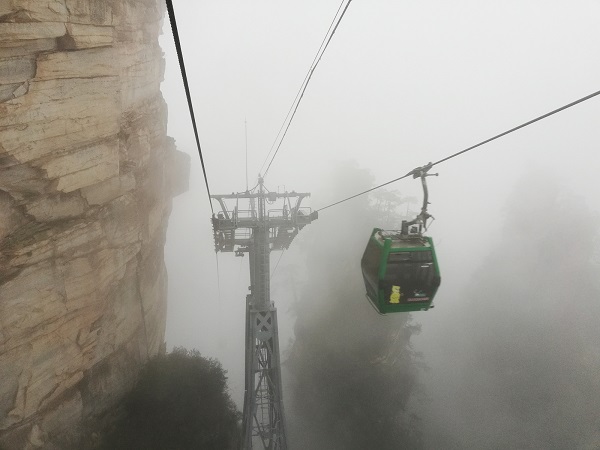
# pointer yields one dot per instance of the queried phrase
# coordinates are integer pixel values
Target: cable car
(399, 267)
(401, 272)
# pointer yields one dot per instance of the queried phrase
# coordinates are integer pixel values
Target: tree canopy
(180, 402)
(353, 371)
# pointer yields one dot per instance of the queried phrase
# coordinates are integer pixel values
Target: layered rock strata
(86, 181)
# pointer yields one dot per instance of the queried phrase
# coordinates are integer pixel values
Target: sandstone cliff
(86, 181)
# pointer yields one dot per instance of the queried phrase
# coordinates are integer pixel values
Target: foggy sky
(401, 84)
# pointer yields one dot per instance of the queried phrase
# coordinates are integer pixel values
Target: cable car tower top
(256, 230)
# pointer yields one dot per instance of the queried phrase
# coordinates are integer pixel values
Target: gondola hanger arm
(421, 172)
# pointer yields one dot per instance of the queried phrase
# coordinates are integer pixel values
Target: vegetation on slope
(180, 402)
(353, 370)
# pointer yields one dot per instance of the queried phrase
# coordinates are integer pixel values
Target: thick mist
(517, 362)
(351, 371)
(511, 346)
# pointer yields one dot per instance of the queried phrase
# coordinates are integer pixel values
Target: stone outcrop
(87, 175)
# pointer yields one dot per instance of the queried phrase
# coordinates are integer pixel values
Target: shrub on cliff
(179, 402)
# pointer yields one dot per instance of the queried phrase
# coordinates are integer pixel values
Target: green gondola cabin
(401, 272)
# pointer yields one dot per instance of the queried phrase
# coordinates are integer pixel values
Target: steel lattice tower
(257, 231)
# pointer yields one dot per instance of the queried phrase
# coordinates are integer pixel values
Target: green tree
(353, 370)
(179, 402)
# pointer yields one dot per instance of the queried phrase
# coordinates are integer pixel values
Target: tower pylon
(257, 231)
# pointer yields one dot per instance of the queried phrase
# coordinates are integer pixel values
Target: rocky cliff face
(86, 184)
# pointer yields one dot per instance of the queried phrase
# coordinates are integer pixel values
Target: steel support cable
(523, 125)
(309, 76)
(277, 265)
(301, 86)
(187, 92)
(218, 280)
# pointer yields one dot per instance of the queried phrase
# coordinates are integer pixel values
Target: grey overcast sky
(402, 83)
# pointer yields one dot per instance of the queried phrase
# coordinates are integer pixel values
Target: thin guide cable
(277, 265)
(310, 73)
(246, 136)
(301, 86)
(218, 278)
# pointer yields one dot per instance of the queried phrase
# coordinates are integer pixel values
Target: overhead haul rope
(430, 165)
(187, 92)
(189, 101)
(300, 94)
